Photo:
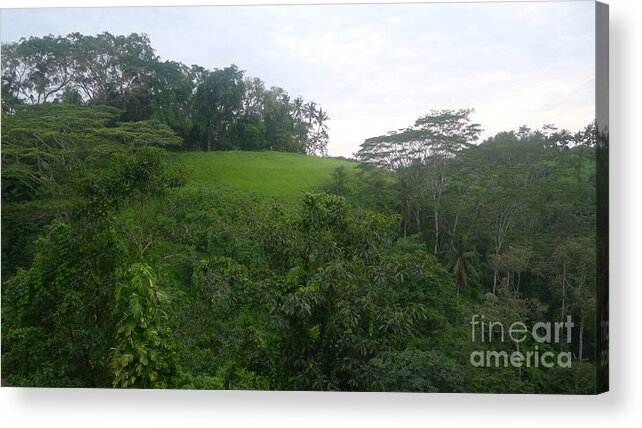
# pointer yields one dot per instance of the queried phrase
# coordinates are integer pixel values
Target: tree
(278, 122)
(68, 300)
(217, 103)
(310, 111)
(433, 141)
(317, 131)
(37, 70)
(45, 150)
(297, 109)
(130, 180)
(320, 139)
(433, 138)
(57, 319)
(339, 181)
(144, 355)
(503, 212)
(460, 264)
(169, 98)
(300, 124)
(135, 135)
(408, 201)
(113, 70)
(344, 299)
(253, 101)
(574, 274)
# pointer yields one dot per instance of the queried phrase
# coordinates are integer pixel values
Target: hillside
(269, 173)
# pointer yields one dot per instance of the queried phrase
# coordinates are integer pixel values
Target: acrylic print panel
(370, 197)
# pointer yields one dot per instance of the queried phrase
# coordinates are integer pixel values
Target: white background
(620, 407)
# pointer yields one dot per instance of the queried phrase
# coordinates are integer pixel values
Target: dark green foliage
(217, 101)
(49, 152)
(339, 181)
(320, 296)
(506, 217)
(215, 109)
(140, 134)
(335, 315)
(417, 371)
(57, 322)
(144, 355)
(461, 264)
(69, 299)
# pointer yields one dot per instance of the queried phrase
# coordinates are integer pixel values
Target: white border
(621, 406)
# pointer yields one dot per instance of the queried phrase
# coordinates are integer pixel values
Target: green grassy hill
(269, 173)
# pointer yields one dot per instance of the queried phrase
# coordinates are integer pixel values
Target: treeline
(219, 109)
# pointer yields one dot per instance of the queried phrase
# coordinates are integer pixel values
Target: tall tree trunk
(436, 213)
(581, 344)
(454, 231)
(563, 299)
(495, 282)
(579, 298)
(495, 270)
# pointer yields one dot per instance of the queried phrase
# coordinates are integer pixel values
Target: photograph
(390, 197)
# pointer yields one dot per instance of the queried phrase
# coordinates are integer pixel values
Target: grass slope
(269, 173)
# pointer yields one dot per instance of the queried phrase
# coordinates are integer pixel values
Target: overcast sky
(375, 68)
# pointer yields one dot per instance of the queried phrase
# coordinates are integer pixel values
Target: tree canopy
(219, 109)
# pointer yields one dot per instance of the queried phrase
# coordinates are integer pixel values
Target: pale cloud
(376, 68)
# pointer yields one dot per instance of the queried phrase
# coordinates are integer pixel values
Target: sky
(375, 67)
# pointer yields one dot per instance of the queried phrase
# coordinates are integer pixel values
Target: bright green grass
(269, 173)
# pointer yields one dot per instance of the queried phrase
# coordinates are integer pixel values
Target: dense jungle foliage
(125, 265)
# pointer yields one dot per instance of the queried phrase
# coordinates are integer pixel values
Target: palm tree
(310, 111)
(297, 108)
(300, 127)
(460, 265)
(321, 118)
(322, 132)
